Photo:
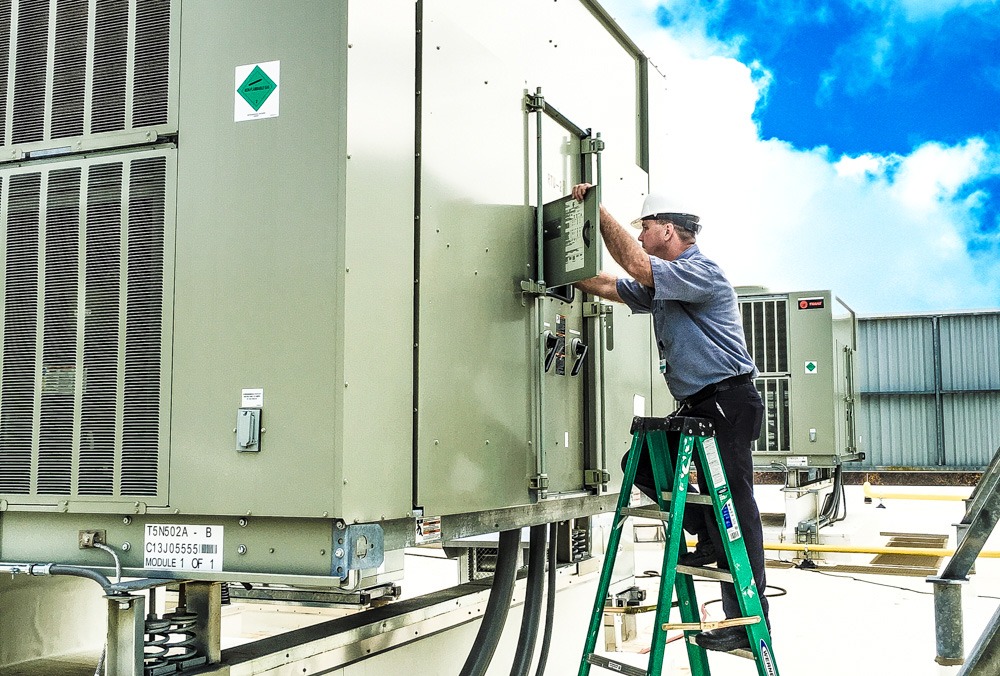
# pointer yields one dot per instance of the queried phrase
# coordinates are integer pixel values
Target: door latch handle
(551, 342)
(580, 351)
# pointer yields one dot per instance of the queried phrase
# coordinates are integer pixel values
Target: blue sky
(870, 121)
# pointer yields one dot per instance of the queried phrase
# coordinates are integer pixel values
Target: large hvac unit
(803, 344)
(271, 293)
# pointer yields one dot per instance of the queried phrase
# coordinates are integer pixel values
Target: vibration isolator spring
(182, 631)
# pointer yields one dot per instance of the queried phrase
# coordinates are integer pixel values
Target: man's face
(654, 236)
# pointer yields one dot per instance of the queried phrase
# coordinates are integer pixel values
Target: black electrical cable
(76, 571)
(495, 617)
(533, 593)
(550, 606)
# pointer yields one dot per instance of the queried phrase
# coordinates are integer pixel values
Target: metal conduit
(497, 607)
(42, 569)
(550, 607)
(532, 602)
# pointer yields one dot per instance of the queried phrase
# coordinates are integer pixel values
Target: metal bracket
(531, 286)
(356, 547)
(539, 482)
(534, 102)
(596, 477)
(595, 309)
(591, 146)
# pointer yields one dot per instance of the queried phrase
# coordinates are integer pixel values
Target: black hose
(532, 603)
(497, 607)
(76, 571)
(550, 606)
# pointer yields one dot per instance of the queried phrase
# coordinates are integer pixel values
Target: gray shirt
(697, 324)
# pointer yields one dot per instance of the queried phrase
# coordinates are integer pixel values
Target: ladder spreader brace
(697, 435)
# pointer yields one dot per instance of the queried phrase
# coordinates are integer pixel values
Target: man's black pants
(737, 414)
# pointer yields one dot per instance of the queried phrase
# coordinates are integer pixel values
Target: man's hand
(580, 191)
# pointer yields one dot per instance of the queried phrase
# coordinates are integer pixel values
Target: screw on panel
(242, 549)
(243, 522)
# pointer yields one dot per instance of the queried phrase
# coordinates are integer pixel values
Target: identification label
(730, 522)
(182, 547)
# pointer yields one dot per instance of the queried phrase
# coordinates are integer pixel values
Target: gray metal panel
(970, 351)
(896, 355)
(898, 431)
(260, 263)
(476, 333)
(378, 266)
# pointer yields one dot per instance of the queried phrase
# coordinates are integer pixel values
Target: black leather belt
(721, 386)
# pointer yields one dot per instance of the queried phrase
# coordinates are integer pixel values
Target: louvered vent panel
(152, 62)
(765, 325)
(17, 390)
(29, 76)
(82, 373)
(62, 245)
(5, 17)
(70, 71)
(110, 65)
(100, 330)
(143, 326)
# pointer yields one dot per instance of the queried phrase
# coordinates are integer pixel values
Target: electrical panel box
(572, 239)
(803, 345)
(266, 275)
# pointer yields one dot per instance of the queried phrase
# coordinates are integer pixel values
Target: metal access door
(563, 159)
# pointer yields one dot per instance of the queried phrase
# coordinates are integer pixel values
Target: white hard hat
(662, 207)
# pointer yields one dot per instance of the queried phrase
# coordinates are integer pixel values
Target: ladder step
(708, 626)
(646, 513)
(692, 498)
(611, 665)
(706, 571)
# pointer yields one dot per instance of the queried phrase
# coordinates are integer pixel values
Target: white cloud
(885, 232)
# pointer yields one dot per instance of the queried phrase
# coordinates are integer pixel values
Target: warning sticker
(714, 463)
(428, 530)
(575, 245)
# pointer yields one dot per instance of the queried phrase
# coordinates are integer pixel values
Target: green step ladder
(696, 434)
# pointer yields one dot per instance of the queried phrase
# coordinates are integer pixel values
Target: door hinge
(596, 309)
(590, 146)
(539, 482)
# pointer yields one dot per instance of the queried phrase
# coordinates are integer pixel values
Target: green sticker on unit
(256, 88)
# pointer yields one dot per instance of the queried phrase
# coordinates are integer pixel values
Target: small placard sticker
(812, 366)
(796, 461)
(714, 463)
(729, 521)
(811, 303)
(252, 398)
(428, 530)
(182, 547)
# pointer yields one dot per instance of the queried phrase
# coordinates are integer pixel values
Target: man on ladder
(705, 362)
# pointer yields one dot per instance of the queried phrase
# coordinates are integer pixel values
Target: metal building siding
(907, 420)
(971, 429)
(970, 351)
(897, 431)
(896, 355)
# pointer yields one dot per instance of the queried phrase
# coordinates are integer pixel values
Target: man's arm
(604, 285)
(626, 251)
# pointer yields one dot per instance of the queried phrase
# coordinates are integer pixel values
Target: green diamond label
(811, 367)
(256, 88)
(257, 91)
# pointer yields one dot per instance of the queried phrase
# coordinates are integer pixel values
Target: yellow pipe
(889, 495)
(909, 551)
(853, 549)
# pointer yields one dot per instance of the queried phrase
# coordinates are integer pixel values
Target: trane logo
(811, 303)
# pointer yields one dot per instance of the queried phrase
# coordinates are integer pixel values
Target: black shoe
(701, 556)
(724, 640)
